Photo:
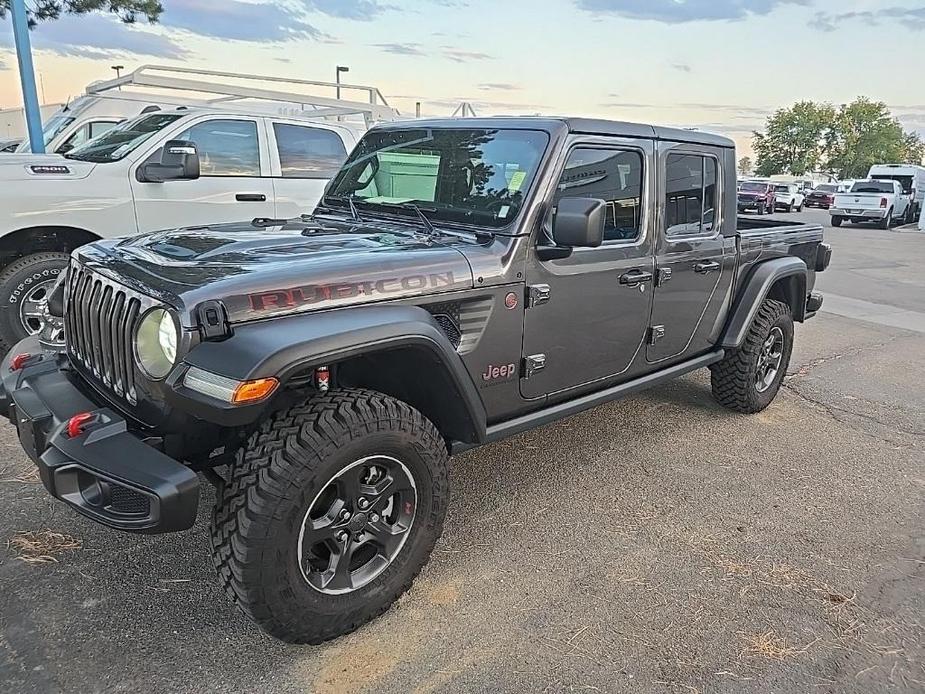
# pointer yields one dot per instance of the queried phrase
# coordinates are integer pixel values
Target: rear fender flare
(789, 273)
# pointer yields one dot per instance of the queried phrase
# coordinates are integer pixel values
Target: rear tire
(24, 285)
(886, 221)
(273, 554)
(737, 380)
(790, 207)
(836, 221)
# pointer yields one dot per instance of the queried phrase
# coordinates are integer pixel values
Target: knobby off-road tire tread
(732, 379)
(264, 474)
(9, 312)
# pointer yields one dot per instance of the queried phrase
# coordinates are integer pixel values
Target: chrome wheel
(357, 524)
(34, 315)
(769, 359)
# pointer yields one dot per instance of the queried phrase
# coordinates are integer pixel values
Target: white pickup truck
(877, 201)
(118, 184)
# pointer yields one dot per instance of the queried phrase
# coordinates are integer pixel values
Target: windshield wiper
(424, 220)
(354, 214)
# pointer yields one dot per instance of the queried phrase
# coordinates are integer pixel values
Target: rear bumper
(107, 472)
(858, 214)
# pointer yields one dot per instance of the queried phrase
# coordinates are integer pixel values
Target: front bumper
(879, 213)
(107, 472)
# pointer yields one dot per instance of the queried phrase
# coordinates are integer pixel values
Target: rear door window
(690, 194)
(306, 152)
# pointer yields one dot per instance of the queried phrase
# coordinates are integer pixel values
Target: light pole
(340, 69)
(30, 99)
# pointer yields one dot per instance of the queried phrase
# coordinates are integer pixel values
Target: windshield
(904, 181)
(451, 174)
(754, 187)
(872, 187)
(122, 139)
(781, 189)
(826, 188)
(52, 129)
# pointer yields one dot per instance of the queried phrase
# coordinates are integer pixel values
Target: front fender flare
(755, 290)
(286, 346)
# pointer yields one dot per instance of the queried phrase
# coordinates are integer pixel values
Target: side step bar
(502, 430)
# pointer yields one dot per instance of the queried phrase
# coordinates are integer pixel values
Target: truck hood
(35, 167)
(259, 271)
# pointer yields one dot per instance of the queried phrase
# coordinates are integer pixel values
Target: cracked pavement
(656, 544)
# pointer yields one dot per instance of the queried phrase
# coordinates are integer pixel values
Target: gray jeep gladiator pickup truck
(461, 281)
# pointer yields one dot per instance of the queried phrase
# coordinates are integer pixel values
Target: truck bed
(763, 239)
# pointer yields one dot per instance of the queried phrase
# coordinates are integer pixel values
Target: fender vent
(447, 316)
(463, 322)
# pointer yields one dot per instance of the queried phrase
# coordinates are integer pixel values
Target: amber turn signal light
(253, 391)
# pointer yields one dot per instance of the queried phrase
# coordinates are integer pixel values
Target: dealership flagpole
(27, 75)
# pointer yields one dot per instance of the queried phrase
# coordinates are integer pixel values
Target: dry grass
(771, 646)
(42, 546)
(28, 476)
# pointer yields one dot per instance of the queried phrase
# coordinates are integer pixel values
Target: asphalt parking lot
(656, 544)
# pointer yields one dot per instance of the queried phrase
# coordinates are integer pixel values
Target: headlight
(156, 343)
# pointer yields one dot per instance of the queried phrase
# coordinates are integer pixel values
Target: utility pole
(340, 69)
(30, 99)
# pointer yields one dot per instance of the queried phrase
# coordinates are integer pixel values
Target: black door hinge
(656, 333)
(663, 275)
(538, 294)
(533, 363)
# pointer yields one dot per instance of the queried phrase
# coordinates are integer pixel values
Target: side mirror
(179, 162)
(579, 222)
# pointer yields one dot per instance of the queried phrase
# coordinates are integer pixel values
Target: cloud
(912, 17)
(415, 49)
(238, 21)
(400, 48)
(461, 56)
(363, 10)
(676, 12)
(99, 36)
(498, 86)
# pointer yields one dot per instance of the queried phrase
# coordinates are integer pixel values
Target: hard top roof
(590, 126)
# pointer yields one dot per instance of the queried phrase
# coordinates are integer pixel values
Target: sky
(719, 65)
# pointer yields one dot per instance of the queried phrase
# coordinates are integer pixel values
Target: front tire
(749, 377)
(24, 288)
(331, 510)
(836, 221)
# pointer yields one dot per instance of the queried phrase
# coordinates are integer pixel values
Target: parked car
(9, 144)
(462, 281)
(124, 182)
(756, 195)
(788, 196)
(912, 179)
(871, 201)
(822, 196)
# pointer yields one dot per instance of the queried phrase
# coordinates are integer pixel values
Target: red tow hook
(75, 425)
(21, 360)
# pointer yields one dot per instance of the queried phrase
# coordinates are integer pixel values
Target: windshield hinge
(213, 320)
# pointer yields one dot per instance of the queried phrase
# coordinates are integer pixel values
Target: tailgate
(859, 201)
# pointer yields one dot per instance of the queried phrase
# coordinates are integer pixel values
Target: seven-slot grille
(100, 323)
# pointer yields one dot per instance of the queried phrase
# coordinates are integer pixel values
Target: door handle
(250, 197)
(634, 278)
(706, 267)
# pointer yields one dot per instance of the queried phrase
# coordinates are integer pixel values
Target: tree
(795, 139)
(745, 166)
(867, 134)
(127, 10)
